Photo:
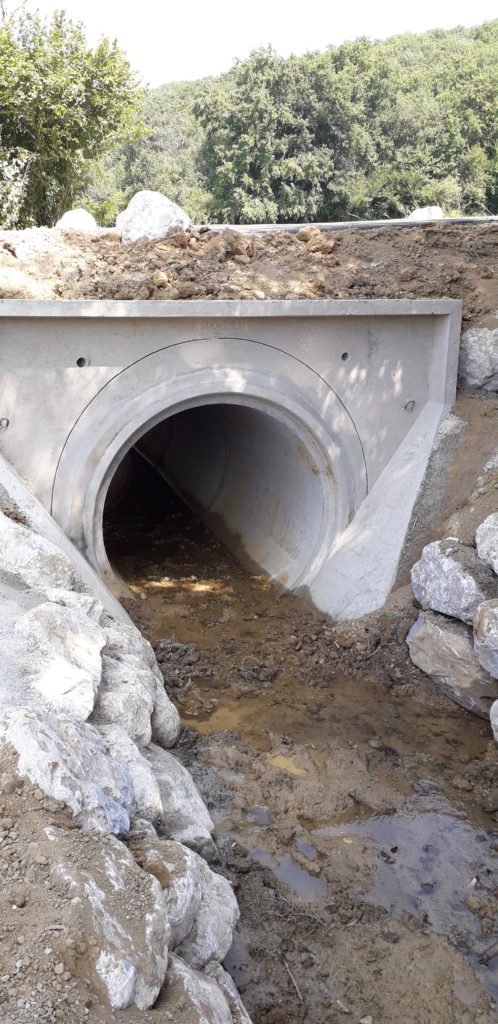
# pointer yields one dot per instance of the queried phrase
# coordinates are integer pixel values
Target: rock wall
(84, 710)
(455, 639)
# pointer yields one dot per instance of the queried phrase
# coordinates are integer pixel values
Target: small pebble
(7, 783)
(462, 784)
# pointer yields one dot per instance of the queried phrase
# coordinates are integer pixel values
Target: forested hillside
(363, 130)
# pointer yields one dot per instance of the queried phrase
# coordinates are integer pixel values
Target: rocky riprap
(103, 833)
(455, 638)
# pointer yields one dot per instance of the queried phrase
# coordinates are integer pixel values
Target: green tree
(62, 105)
(363, 130)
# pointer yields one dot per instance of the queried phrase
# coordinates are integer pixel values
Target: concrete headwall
(301, 429)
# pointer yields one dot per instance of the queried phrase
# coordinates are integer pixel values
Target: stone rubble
(478, 366)
(450, 578)
(150, 215)
(146, 792)
(487, 541)
(70, 761)
(77, 220)
(459, 648)
(426, 213)
(444, 650)
(493, 717)
(84, 707)
(28, 560)
(199, 991)
(486, 636)
(52, 658)
(200, 904)
(185, 816)
(129, 965)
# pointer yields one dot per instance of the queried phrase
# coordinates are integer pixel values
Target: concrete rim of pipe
(333, 514)
(335, 464)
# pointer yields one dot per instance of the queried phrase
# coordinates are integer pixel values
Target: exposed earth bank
(435, 260)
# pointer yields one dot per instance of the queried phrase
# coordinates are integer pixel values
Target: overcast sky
(175, 41)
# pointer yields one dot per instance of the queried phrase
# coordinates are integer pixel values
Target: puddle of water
(259, 814)
(429, 860)
(306, 849)
(286, 869)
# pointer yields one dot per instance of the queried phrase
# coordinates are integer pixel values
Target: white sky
(188, 39)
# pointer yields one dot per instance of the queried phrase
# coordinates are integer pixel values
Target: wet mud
(355, 807)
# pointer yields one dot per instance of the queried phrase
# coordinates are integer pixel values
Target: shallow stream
(342, 782)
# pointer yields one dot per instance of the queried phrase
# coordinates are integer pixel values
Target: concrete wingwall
(300, 429)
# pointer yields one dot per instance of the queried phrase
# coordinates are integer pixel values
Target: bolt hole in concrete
(81, 361)
(331, 786)
(345, 356)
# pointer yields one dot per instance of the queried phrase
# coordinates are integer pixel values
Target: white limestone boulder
(125, 640)
(29, 560)
(87, 604)
(77, 220)
(200, 904)
(444, 650)
(225, 983)
(14, 603)
(200, 997)
(486, 636)
(426, 213)
(69, 761)
(51, 655)
(450, 578)
(165, 721)
(487, 541)
(150, 215)
(493, 717)
(478, 365)
(211, 934)
(122, 910)
(126, 696)
(185, 816)
(175, 867)
(145, 787)
(132, 691)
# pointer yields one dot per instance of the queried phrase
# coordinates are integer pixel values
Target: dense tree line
(365, 129)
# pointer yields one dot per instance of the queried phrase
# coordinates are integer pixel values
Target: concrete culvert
(300, 431)
(262, 484)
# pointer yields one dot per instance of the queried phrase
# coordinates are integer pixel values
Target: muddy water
(340, 785)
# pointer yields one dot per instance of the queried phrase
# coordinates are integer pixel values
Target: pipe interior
(248, 475)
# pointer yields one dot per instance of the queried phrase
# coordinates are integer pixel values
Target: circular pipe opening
(259, 481)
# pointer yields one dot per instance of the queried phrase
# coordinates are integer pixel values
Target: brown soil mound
(435, 260)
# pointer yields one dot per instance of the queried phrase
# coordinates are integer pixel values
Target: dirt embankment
(435, 260)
